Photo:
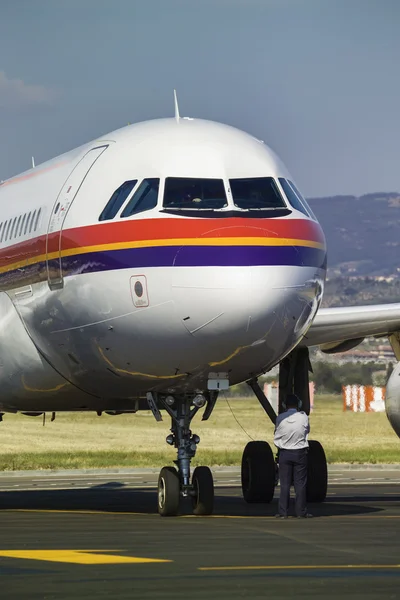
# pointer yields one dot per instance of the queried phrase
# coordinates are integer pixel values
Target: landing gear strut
(294, 378)
(176, 483)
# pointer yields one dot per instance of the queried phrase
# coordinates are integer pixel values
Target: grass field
(84, 440)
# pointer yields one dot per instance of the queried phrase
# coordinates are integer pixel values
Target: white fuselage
(94, 314)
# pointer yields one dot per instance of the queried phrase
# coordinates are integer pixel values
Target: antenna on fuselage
(33, 162)
(177, 115)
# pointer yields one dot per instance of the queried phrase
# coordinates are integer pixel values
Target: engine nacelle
(393, 399)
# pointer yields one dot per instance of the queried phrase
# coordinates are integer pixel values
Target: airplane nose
(233, 283)
(217, 294)
(224, 308)
(208, 298)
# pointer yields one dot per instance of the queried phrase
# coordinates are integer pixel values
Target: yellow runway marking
(79, 557)
(297, 567)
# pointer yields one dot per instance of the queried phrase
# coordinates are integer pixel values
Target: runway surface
(99, 536)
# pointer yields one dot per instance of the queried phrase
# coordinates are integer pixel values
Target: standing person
(291, 438)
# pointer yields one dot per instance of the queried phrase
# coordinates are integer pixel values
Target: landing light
(170, 400)
(199, 400)
(170, 439)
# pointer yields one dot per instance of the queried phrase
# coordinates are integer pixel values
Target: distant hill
(363, 233)
(348, 291)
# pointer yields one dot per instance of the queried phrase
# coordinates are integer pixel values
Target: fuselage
(147, 260)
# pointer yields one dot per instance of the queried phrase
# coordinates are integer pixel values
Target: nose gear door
(61, 206)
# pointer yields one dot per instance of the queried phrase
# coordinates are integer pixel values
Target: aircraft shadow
(115, 497)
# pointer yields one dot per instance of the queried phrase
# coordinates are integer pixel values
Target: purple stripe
(168, 256)
(194, 256)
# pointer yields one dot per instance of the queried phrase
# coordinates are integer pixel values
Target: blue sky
(318, 80)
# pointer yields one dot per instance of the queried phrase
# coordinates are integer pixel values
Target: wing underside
(339, 329)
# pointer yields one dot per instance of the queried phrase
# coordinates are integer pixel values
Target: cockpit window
(295, 198)
(256, 193)
(195, 194)
(145, 198)
(117, 200)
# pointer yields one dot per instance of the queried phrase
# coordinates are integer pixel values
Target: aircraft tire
(203, 490)
(168, 492)
(258, 472)
(317, 473)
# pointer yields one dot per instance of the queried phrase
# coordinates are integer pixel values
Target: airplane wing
(340, 329)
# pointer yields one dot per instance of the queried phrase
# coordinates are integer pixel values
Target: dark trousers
(293, 468)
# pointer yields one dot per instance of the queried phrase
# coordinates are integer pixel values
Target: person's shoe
(278, 516)
(306, 516)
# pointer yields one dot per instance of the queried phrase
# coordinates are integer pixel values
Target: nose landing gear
(168, 492)
(202, 491)
(176, 483)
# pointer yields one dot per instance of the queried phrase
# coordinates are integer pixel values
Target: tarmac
(97, 535)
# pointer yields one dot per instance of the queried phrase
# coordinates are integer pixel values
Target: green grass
(108, 459)
(76, 440)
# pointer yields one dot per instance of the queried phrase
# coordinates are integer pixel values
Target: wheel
(168, 492)
(258, 472)
(317, 473)
(203, 488)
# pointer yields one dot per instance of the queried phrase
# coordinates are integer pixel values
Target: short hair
(292, 401)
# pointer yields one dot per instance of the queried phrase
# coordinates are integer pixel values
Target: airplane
(154, 268)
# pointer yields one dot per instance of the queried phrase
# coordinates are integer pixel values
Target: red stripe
(154, 229)
(23, 251)
(166, 228)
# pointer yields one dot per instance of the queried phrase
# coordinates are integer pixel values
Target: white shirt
(291, 430)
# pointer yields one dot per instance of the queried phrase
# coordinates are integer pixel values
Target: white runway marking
(100, 482)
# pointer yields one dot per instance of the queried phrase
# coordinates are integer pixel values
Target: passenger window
(37, 218)
(117, 199)
(27, 223)
(145, 198)
(22, 224)
(8, 229)
(295, 198)
(13, 227)
(260, 193)
(32, 220)
(192, 193)
(17, 227)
